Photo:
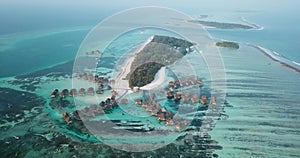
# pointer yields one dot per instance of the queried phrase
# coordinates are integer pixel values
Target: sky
(18, 16)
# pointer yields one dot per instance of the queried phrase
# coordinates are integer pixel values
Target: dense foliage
(227, 44)
(144, 74)
(221, 25)
(181, 44)
(161, 51)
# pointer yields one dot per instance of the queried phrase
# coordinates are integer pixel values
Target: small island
(223, 25)
(227, 44)
(160, 51)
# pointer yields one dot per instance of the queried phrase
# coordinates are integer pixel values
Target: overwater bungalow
(163, 110)
(113, 97)
(114, 104)
(144, 104)
(169, 95)
(81, 92)
(102, 104)
(161, 117)
(54, 93)
(182, 83)
(171, 90)
(154, 112)
(73, 92)
(100, 90)
(108, 101)
(177, 84)
(108, 107)
(170, 114)
(91, 91)
(171, 84)
(100, 85)
(113, 92)
(91, 78)
(139, 102)
(85, 76)
(195, 99)
(97, 52)
(199, 81)
(177, 97)
(204, 100)
(187, 83)
(67, 118)
(192, 82)
(65, 91)
(169, 121)
(76, 115)
(185, 99)
(179, 126)
(213, 101)
(61, 95)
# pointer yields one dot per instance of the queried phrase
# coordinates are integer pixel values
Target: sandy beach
(121, 84)
(158, 80)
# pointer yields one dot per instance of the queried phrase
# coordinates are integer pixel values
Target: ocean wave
(277, 57)
(296, 63)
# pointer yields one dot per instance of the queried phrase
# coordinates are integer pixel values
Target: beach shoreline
(158, 80)
(121, 83)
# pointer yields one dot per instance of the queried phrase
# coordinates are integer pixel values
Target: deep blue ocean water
(41, 52)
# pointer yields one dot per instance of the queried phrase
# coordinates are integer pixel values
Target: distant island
(223, 25)
(158, 52)
(227, 44)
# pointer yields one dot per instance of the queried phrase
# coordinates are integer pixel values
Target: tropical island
(160, 51)
(224, 25)
(227, 44)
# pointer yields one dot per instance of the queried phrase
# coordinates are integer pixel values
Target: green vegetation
(162, 50)
(181, 44)
(221, 25)
(144, 74)
(227, 44)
